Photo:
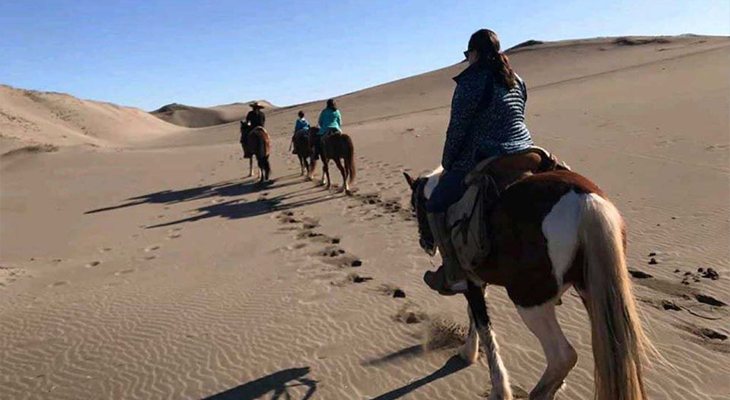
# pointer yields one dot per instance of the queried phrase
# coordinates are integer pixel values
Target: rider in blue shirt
(302, 125)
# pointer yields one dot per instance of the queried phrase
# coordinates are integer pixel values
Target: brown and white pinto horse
(551, 231)
(337, 147)
(259, 144)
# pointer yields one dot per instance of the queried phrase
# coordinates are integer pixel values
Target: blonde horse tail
(350, 158)
(619, 343)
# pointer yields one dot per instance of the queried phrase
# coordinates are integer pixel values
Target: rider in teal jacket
(330, 118)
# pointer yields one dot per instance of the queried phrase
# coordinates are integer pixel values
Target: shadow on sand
(454, 364)
(220, 189)
(277, 384)
(236, 208)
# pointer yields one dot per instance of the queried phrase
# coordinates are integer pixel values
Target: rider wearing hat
(254, 118)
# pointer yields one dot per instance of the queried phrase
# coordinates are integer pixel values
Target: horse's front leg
(470, 351)
(250, 167)
(498, 374)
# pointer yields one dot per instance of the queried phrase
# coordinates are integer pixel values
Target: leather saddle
(468, 218)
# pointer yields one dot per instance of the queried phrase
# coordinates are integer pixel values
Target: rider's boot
(449, 279)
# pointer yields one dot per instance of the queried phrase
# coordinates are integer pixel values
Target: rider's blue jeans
(449, 190)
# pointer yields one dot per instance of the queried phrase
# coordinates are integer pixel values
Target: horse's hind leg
(470, 351)
(312, 167)
(261, 171)
(345, 186)
(501, 389)
(326, 173)
(268, 168)
(560, 355)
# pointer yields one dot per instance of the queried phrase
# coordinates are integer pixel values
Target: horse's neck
(432, 180)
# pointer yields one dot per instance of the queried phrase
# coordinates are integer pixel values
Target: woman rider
(330, 119)
(487, 119)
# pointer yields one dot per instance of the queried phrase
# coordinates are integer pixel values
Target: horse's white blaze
(560, 228)
(432, 180)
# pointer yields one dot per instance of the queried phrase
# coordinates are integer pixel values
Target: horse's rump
(338, 145)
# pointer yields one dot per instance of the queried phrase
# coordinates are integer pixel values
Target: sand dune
(29, 117)
(161, 272)
(197, 117)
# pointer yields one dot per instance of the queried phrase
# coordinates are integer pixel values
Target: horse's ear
(411, 182)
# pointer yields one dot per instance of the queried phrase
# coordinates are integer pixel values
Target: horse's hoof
(469, 356)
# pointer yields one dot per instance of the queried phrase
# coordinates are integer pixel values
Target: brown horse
(551, 231)
(303, 149)
(336, 146)
(259, 144)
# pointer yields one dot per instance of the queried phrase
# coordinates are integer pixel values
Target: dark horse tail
(349, 157)
(261, 148)
(265, 145)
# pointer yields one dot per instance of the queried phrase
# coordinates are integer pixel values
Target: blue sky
(149, 53)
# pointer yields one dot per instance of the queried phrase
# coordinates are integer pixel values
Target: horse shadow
(221, 189)
(453, 365)
(240, 208)
(406, 353)
(278, 384)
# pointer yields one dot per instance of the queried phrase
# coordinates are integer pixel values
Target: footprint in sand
(410, 313)
(93, 264)
(151, 248)
(124, 272)
(391, 290)
(350, 279)
(151, 257)
(334, 255)
(174, 235)
(59, 283)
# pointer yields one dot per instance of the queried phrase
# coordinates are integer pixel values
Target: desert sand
(138, 261)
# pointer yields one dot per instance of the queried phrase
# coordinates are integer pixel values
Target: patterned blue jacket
(487, 119)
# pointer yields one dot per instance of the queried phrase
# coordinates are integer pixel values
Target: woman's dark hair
(486, 43)
(301, 114)
(332, 105)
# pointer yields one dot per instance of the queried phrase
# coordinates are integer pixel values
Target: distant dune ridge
(30, 117)
(199, 117)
